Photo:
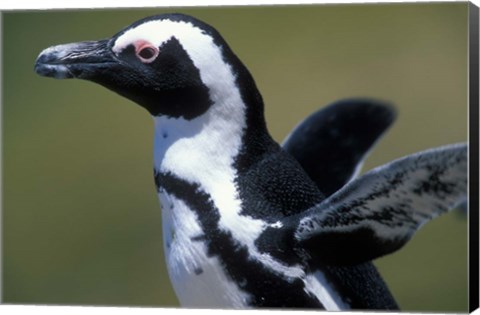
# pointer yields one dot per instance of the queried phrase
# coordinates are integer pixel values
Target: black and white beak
(76, 60)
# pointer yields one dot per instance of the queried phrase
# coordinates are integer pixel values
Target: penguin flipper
(380, 211)
(331, 144)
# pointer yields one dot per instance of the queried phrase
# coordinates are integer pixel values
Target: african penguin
(247, 222)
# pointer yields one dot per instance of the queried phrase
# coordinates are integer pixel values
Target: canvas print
(294, 157)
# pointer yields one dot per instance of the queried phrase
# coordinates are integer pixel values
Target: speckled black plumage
(379, 212)
(275, 187)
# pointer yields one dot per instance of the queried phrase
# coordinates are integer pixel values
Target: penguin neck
(200, 149)
(230, 135)
(206, 150)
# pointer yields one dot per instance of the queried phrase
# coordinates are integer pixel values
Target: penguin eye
(146, 52)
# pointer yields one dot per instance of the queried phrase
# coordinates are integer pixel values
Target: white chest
(199, 281)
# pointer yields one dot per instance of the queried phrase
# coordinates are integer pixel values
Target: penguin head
(172, 65)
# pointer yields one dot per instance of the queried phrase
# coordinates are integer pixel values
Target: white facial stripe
(156, 32)
(206, 56)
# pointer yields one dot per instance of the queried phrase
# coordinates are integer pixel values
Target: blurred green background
(81, 221)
